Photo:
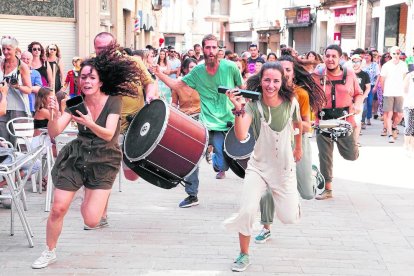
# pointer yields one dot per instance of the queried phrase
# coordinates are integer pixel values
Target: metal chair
(15, 184)
(22, 128)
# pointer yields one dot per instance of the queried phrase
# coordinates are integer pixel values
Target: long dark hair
(186, 64)
(165, 61)
(117, 73)
(254, 82)
(302, 78)
(42, 95)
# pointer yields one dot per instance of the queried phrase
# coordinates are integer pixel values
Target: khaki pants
(346, 147)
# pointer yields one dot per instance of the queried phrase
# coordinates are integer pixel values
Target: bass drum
(237, 153)
(163, 145)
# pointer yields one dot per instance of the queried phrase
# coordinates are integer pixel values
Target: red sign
(345, 15)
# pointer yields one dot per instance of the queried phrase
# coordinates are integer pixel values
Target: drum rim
(156, 142)
(236, 157)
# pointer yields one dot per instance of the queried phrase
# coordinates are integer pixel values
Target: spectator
(17, 75)
(72, 78)
(35, 78)
(254, 56)
(39, 62)
(271, 57)
(197, 53)
(54, 58)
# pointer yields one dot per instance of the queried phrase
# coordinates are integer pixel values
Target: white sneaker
(390, 139)
(48, 257)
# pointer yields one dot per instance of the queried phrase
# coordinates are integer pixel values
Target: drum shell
(179, 144)
(185, 137)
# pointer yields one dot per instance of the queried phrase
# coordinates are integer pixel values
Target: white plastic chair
(15, 184)
(22, 128)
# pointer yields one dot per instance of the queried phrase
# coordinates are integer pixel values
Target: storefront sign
(345, 15)
(298, 17)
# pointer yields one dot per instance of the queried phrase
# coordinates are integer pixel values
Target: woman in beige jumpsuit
(275, 120)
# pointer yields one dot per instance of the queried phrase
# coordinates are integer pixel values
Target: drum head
(236, 149)
(146, 130)
(139, 168)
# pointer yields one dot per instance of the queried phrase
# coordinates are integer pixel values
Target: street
(366, 229)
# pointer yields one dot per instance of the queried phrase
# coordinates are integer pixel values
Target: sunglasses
(36, 49)
(357, 61)
(52, 49)
(395, 54)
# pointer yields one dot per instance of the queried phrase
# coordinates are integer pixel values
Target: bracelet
(240, 112)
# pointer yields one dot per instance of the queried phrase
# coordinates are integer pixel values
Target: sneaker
(221, 175)
(263, 236)
(375, 117)
(188, 202)
(320, 180)
(241, 263)
(208, 157)
(384, 132)
(369, 122)
(48, 257)
(363, 126)
(103, 223)
(391, 139)
(324, 195)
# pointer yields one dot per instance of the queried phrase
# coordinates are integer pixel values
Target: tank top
(58, 83)
(43, 73)
(15, 99)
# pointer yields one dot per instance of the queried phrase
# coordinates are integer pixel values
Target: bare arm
(174, 84)
(151, 91)
(62, 71)
(26, 87)
(59, 123)
(297, 151)
(242, 122)
(4, 88)
(49, 74)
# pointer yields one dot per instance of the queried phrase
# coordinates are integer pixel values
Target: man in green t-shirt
(216, 112)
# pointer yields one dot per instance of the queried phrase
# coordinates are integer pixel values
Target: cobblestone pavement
(366, 229)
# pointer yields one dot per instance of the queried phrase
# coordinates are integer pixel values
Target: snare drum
(237, 152)
(164, 145)
(335, 128)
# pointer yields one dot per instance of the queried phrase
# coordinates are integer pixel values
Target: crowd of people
(299, 94)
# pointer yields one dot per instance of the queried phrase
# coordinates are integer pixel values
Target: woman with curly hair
(272, 163)
(93, 159)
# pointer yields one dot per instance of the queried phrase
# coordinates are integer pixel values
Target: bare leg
(388, 122)
(61, 202)
(244, 243)
(94, 206)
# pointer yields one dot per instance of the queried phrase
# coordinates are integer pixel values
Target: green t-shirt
(280, 116)
(215, 107)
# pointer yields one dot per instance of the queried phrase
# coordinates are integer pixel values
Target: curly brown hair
(117, 73)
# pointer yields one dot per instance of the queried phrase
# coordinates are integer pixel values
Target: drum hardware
(334, 128)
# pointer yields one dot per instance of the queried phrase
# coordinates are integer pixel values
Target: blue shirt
(36, 81)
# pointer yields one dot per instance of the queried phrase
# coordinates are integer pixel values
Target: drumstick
(52, 84)
(347, 115)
